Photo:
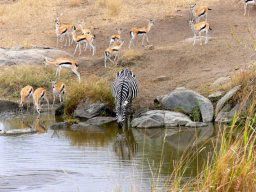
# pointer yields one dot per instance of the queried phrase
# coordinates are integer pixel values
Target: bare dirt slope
(196, 67)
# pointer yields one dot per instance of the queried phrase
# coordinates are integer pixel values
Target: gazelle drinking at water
(39, 94)
(25, 93)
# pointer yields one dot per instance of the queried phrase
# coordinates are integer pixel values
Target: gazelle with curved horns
(58, 89)
(39, 94)
(140, 31)
(87, 39)
(248, 2)
(198, 28)
(199, 12)
(83, 29)
(66, 63)
(25, 93)
(63, 30)
(115, 37)
(113, 51)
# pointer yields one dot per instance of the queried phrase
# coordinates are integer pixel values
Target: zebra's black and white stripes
(124, 90)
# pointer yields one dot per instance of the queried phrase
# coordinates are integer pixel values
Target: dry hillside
(232, 42)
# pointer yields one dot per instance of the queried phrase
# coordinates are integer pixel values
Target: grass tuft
(93, 88)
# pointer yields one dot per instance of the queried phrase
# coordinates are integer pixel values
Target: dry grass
(74, 3)
(231, 168)
(114, 7)
(132, 54)
(12, 79)
(93, 88)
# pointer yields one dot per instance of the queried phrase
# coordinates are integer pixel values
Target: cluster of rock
(95, 115)
(179, 105)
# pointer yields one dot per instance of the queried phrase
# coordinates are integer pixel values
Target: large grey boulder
(90, 110)
(187, 100)
(221, 103)
(158, 118)
(33, 56)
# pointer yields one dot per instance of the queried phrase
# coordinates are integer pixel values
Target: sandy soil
(229, 49)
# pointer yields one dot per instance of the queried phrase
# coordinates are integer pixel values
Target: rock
(196, 124)
(91, 110)
(149, 119)
(174, 119)
(149, 47)
(187, 100)
(161, 78)
(158, 118)
(220, 81)
(227, 113)
(8, 106)
(21, 55)
(215, 96)
(85, 126)
(17, 131)
(61, 125)
(225, 98)
(59, 111)
(100, 120)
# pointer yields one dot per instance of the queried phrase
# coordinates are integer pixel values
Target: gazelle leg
(53, 100)
(46, 99)
(60, 97)
(194, 39)
(206, 37)
(80, 48)
(245, 7)
(75, 49)
(147, 38)
(200, 38)
(143, 36)
(130, 43)
(59, 71)
(77, 74)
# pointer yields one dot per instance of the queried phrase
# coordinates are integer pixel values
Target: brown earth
(230, 48)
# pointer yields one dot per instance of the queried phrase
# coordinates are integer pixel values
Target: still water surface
(100, 159)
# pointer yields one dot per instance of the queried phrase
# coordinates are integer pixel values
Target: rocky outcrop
(186, 100)
(226, 98)
(35, 55)
(160, 118)
(88, 110)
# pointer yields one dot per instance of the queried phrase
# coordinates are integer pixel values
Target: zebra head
(121, 113)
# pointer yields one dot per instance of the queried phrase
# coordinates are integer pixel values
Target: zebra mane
(125, 73)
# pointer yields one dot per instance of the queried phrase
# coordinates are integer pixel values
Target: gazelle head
(192, 6)
(120, 114)
(45, 62)
(150, 22)
(54, 84)
(119, 31)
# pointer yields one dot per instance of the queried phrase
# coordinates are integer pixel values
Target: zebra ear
(125, 103)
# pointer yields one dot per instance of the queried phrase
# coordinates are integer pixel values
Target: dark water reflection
(93, 159)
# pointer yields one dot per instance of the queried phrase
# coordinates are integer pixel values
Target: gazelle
(58, 89)
(113, 51)
(199, 12)
(64, 62)
(83, 29)
(140, 31)
(198, 28)
(248, 2)
(62, 31)
(25, 93)
(39, 94)
(86, 38)
(115, 37)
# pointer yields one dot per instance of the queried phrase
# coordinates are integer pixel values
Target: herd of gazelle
(69, 33)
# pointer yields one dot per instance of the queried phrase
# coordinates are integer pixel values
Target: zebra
(124, 90)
